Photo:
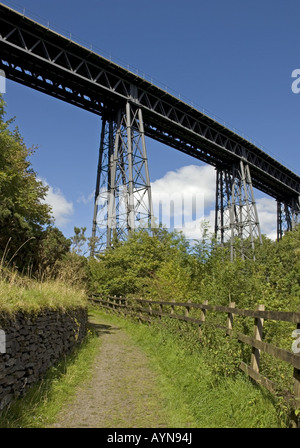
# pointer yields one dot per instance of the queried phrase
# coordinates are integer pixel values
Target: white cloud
(62, 210)
(188, 190)
(86, 199)
(267, 215)
(200, 181)
(191, 180)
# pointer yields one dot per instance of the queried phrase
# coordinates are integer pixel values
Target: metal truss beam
(123, 193)
(34, 55)
(288, 217)
(236, 218)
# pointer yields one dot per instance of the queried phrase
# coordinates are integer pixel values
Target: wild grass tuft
(22, 293)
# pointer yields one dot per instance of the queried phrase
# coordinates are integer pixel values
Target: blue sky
(234, 58)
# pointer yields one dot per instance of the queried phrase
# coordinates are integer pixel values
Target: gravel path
(123, 391)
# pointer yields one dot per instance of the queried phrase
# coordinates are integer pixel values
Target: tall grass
(22, 293)
(65, 289)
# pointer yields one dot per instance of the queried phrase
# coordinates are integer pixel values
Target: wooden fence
(146, 310)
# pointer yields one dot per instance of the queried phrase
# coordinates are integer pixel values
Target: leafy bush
(23, 211)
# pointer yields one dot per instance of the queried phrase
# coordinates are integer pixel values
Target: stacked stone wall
(33, 342)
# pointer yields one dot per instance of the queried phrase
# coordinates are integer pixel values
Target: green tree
(23, 211)
(53, 245)
(131, 267)
(78, 241)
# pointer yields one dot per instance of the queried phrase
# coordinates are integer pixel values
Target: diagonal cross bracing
(236, 218)
(40, 58)
(123, 194)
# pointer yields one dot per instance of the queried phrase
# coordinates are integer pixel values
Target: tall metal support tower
(123, 192)
(236, 218)
(288, 216)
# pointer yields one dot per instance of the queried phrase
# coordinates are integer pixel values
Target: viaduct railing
(196, 314)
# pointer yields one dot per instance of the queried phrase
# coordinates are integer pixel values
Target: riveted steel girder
(236, 218)
(34, 55)
(123, 193)
(288, 217)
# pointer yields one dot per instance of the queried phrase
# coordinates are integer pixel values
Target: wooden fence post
(160, 310)
(138, 311)
(187, 310)
(230, 319)
(202, 318)
(297, 375)
(258, 329)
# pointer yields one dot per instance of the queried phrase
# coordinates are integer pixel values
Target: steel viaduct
(132, 108)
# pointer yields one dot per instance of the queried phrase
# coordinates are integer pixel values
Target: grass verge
(188, 383)
(30, 295)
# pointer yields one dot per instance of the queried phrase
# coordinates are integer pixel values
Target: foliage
(166, 266)
(72, 269)
(78, 241)
(53, 246)
(23, 212)
(132, 267)
(28, 240)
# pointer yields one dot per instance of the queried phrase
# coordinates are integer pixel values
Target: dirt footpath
(123, 391)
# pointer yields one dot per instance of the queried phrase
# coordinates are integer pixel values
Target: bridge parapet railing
(146, 310)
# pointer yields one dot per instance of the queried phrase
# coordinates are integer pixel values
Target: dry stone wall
(33, 342)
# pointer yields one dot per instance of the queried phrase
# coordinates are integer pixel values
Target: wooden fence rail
(141, 307)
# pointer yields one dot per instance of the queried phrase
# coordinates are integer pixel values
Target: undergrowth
(22, 293)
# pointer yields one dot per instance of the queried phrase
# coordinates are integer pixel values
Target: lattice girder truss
(236, 218)
(288, 216)
(123, 199)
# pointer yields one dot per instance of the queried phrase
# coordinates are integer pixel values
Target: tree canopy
(166, 266)
(25, 217)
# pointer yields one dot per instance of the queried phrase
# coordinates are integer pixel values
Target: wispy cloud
(185, 199)
(181, 197)
(190, 180)
(267, 215)
(200, 181)
(86, 199)
(62, 209)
